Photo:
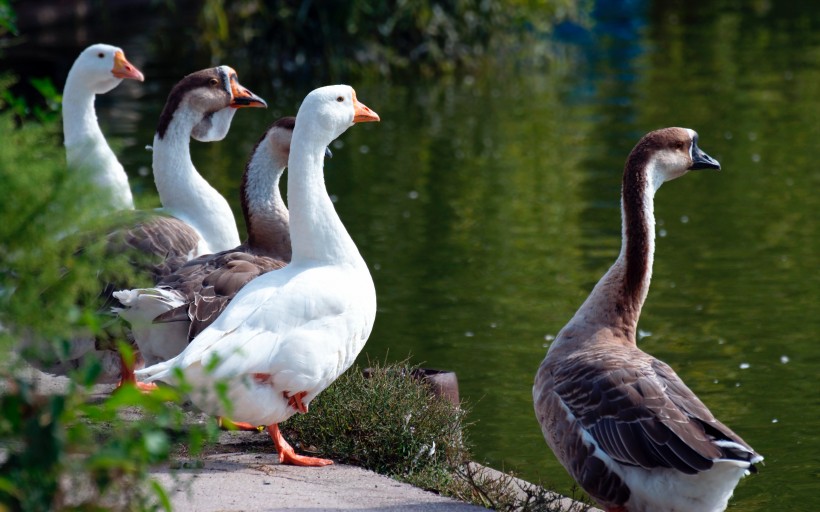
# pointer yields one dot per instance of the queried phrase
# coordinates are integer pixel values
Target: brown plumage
(197, 292)
(623, 424)
(159, 245)
(210, 282)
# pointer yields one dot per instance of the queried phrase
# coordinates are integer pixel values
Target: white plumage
(97, 70)
(290, 333)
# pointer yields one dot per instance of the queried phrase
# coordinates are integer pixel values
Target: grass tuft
(391, 423)
(388, 423)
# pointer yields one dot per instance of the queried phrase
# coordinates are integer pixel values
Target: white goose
(97, 70)
(193, 297)
(621, 422)
(290, 333)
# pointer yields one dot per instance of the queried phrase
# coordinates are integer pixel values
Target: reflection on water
(487, 208)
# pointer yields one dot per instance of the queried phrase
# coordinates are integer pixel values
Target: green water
(487, 208)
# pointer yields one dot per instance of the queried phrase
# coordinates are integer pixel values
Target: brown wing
(636, 410)
(210, 282)
(641, 413)
(162, 244)
(156, 246)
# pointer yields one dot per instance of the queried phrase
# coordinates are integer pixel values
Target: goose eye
(101, 55)
(214, 81)
(340, 99)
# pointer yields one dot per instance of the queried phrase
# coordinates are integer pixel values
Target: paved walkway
(257, 482)
(242, 473)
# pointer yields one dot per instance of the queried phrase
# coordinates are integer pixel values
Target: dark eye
(101, 55)
(214, 81)
(679, 145)
(340, 99)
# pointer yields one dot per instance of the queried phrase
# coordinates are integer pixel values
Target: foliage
(387, 423)
(52, 247)
(62, 450)
(8, 19)
(426, 36)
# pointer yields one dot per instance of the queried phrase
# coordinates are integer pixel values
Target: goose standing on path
(621, 422)
(193, 297)
(99, 69)
(290, 333)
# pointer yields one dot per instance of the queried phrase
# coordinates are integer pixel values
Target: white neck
(86, 147)
(316, 231)
(184, 193)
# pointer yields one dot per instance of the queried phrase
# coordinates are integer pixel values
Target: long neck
(79, 117)
(616, 301)
(317, 233)
(184, 193)
(266, 215)
(86, 148)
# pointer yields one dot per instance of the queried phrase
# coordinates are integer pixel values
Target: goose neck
(186, 195)
(617, 299)
(79, 116)
(266, 215)
(174, 172)
(317, 233)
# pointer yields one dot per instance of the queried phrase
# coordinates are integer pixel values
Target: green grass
(387, 423)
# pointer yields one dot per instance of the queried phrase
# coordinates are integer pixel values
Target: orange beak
(242, 97)
(362, 113)
(124, 69)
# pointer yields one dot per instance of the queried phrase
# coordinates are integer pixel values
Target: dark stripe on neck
(635, 183)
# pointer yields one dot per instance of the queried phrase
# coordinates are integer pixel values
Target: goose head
(277, 139)
(101, 67)
(212, 97)
(275, 143)
(334, 109)
(669, 153)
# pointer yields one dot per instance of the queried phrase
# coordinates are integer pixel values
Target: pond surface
(487, 206)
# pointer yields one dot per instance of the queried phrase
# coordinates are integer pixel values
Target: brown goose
(195, 218)
(621, 422)
(180, 306)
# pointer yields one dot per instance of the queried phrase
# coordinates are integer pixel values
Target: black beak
(701, 160)
(328, 154)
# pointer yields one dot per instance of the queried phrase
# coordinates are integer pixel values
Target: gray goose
(166, 317)
(621, 422)
(195, 217)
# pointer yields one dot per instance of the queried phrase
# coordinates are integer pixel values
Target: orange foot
(287, 455)
(127, 375)
(226, 424)
(295, 401)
